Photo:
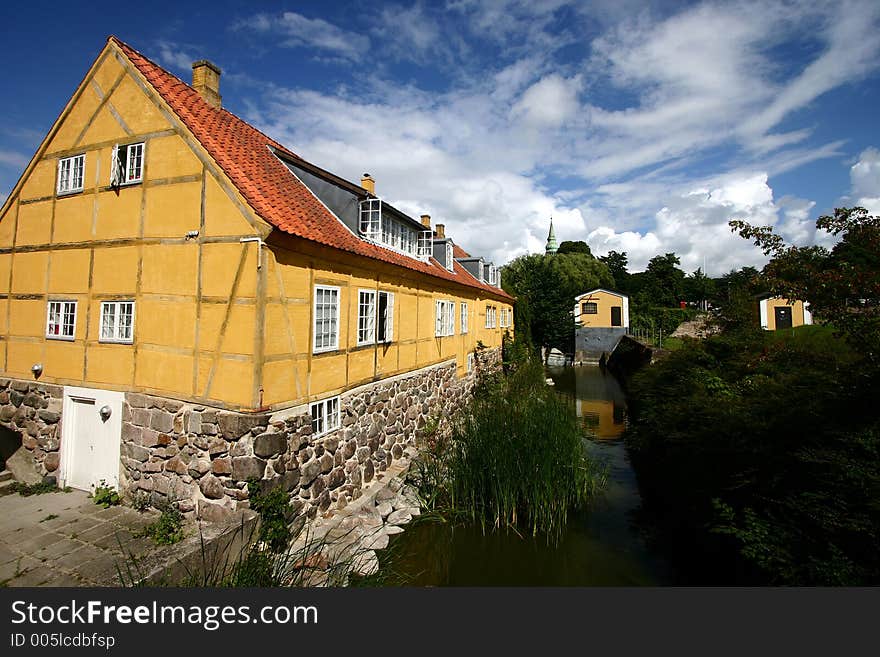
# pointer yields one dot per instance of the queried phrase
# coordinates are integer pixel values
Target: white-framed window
(127, 166)
(371, 218)
(325, 416)
(444, 323)
(391, 232)
(117, 321)
(375, 317)
(366, 317)
(491, 317)
(61, 320)
(449, 261)
(71, 172)
(470, 362)
(326, 318)
(425, 245)
(464, 318)
(506, 317)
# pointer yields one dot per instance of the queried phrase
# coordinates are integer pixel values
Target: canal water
(602, 545)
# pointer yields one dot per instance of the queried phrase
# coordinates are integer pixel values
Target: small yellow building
(189, 303)
(601, 308)
(777, 313)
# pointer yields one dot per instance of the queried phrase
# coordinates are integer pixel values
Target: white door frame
(106, 466)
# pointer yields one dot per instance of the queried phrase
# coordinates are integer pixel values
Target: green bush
(657, 319)
(763, 451)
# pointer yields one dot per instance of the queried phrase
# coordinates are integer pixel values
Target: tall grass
(516, 458)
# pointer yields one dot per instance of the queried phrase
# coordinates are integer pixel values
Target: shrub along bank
(758, 456)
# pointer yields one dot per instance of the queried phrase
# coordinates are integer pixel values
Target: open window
(127, 166)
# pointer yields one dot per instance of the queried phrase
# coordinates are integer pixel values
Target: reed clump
(516, 458)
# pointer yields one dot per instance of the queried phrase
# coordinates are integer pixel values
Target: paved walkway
(65, 539)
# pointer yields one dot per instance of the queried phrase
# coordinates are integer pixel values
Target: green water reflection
(602, 546)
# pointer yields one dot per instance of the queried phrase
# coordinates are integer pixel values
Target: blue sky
(640, 127)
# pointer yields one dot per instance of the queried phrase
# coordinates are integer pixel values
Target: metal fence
(649, 336)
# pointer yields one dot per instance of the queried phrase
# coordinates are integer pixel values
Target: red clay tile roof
(458, 252)
(275, 194)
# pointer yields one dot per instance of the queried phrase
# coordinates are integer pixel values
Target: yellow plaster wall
(74, 121)
(108, 254)
(172, 210)
(170, 157)
(7, 224)
(193, 337)
(34, 223)
(68, 271)
(118, 213)
(73, 218)
(604, 302)
(170, 269)
(222, 217)
(29, 272)
(140, 114)
(115, 270)
(414, 344)
(107, 72)
(41, 182)
(797, 312)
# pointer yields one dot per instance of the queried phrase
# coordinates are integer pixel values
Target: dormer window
(371, 219)
(392, 233)
(449, 261)
(127, 166)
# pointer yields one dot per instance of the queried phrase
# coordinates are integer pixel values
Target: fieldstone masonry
(34, 411)
(201, 458)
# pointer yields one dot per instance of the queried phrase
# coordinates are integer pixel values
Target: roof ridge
(272, 142)
(278, 197)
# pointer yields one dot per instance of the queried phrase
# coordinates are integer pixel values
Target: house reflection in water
(600, 402)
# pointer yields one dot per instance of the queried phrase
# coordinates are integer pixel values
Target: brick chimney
(368, 183)
(441, 231)
(426, 220)
(206, 80)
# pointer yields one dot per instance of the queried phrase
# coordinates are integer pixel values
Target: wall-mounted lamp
(192, 234)
(105, 412)
(37, 370)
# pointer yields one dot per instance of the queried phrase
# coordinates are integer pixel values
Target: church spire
(551, 247)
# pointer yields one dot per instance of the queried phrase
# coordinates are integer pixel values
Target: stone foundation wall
(201, 458)
(34, 411)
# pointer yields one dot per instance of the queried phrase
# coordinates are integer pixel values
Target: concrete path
(65, 539)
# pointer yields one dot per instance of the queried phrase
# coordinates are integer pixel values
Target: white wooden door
(90, 441)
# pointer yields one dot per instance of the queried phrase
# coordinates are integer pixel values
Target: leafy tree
(664, 284)
(545, 288)
(698, 287)
(616, 262)
(574, 247)
(842, 285)
(734, 298)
